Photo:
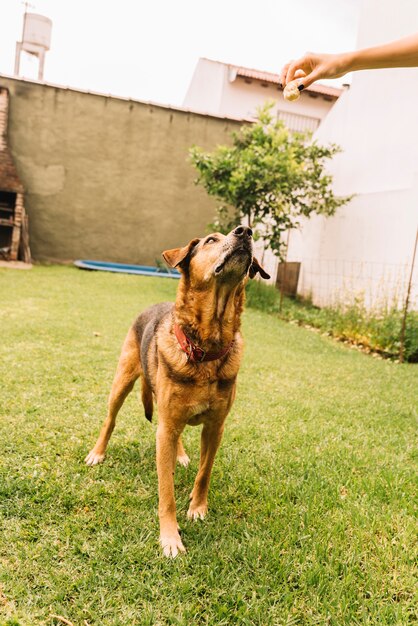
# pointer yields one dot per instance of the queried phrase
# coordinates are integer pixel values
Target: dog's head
(221, 258)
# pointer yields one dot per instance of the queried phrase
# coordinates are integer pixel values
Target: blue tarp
(143, 270)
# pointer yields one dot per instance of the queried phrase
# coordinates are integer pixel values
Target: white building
(368, 245)
(233, 91)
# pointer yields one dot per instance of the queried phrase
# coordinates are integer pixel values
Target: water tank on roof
(37, 30)
(36, 40)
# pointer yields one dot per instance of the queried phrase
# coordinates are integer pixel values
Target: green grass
(313, 497)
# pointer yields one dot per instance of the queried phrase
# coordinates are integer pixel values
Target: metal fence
(379, 285)
(376, 287)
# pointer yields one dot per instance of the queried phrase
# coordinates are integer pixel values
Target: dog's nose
(243, 231)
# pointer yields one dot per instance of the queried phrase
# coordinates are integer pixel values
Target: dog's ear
(256, 267)
(178, 256)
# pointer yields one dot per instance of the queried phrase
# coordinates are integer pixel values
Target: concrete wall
(205, 90)
(108, 178)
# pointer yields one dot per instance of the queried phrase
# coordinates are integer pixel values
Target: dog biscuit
(291, 91)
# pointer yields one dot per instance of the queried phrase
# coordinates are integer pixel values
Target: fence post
(405, 312)
(284, 273)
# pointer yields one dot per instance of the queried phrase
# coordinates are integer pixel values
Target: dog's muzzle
(240, 243)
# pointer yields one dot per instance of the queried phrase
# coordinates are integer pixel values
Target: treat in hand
(291, 91)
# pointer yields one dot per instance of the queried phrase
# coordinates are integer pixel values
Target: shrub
(270, 178)
(377, 330)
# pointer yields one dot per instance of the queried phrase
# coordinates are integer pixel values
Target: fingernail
(300, 87)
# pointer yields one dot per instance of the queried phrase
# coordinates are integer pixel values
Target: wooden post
(284, 273)
(24, 249)
(405, 312)
(17, 226)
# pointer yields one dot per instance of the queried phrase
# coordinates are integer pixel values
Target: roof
(269, 77)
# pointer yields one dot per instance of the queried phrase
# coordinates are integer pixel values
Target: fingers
(294, 67)
(315, 75)
(306, 70)
(283, 74)
(312, 67)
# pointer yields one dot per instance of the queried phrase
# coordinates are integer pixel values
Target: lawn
(313, 499)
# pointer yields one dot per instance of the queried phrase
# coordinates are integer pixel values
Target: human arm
(312, 67)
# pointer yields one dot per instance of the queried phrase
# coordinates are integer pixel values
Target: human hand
(312, 67)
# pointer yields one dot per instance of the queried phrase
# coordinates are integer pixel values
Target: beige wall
(243, 99)
(108, 178)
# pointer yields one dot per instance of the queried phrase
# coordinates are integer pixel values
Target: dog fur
(208, 308)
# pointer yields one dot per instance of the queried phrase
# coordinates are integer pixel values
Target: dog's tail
(146, 394)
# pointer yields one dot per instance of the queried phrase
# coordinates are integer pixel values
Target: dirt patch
(16, 265)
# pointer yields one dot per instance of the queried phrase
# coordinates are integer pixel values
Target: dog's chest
(200, 407)
(196, 411)
(205, 403)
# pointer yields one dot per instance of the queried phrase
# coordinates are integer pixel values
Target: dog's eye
(210, 240)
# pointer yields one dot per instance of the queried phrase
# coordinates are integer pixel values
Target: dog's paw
(93, 458)
(172, 545)
(183, 460)
(197, 512)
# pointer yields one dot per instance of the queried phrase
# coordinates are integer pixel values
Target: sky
(148, 49)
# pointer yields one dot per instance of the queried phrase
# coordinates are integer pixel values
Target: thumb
(307, 80)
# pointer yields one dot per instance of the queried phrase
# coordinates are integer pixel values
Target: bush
(262, 297)
(411, 337)
(377, 330)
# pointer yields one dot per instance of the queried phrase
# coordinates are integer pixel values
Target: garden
(312, 514)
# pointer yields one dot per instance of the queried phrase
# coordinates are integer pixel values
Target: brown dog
(188, 356)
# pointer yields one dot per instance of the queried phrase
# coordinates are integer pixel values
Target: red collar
(194, 353)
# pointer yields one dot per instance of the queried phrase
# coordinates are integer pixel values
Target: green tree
(270, 177)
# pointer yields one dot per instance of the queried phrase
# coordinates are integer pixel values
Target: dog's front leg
(167, 440)
(210, 441)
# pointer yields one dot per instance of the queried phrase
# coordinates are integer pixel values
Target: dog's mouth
(240, 251)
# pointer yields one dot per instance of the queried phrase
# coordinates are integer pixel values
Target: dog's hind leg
(182, 457)
(210, 439)
(147, 401)
(128, 370)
